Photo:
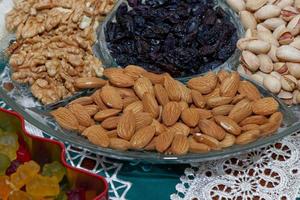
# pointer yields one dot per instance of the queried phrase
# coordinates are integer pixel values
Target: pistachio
(280, 67)
(250, 60)
(288, 83)
(284, 3)
(297, 4)
(255, 5)
(258, 78)
(296, 43)
(243, 42)
(283, 35)
(285, 95)
(296, 97)
(261, 28)
(237, 5)
(267, 36)
(272, 84)
(288, 53)
(273, 23)
(272, 53)
(250, 33)
(294, 69)
(266, 64)
(276, 75)
(288, 13)
(294, 25)
(267, 12)
(258, 46)
(248, 20)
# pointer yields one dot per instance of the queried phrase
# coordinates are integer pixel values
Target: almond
(269, 128)
(127, 92)
(127, 125)
(171, 113)
(111, 123)
(91, 109)
(66, 119)
(119, 144)
(180, 145)
(241, 110)
(111, 97)
(142, 119)
(120, 79)
(238, 98)
(108, 71)
(142, 137)
(129, 100)
(154, 78)
(228, 141)
(190, 117)
(161, 94)
(151, 145)
(222, 75)
(222, 110)
(97, 100)
(230, 85)
(228, 124)
(102, 115)
(89, 82)
(97, 135)
(204, 114)
(247, 137)
(255, 119)
(173, 89)
(150, 105)
(81, 114)
(195, 130)
(135, 107)
(164, 141)
(134, 71)
(160, 113)
(143, 85)
(180, 128)
(215, 93)
(249, 90)
(265, 106)
(83, 101)
(112, 133)
(185, 93)
(276, 118)
(159, 128)
(205, 84)
(212, 129)
(208, 140)
(218, 101)
(249, 127)
(198, 99)
(196, 147)
(183, 105)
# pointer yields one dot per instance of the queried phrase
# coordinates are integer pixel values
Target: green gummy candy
(54, 169)
(4, 164)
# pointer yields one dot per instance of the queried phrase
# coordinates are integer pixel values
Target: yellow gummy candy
(24, 174)
(43, 186)
(17, 195)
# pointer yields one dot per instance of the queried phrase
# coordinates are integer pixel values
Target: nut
(265, 106)
(171, 113)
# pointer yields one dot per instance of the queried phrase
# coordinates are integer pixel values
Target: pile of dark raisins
(181, 37)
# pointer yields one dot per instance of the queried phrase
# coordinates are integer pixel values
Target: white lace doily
(272, 173)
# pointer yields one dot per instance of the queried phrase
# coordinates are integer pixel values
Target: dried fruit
(127, 125)
(142, 137)
(171, 113)
(265, 106)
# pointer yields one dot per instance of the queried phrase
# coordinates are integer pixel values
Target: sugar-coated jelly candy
(5, 188)
(24, 174)
(4, 163)
(19, 195)
(54, 169)
(43, 186)
(9, 145)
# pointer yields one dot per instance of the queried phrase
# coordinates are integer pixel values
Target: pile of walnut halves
(54, 44)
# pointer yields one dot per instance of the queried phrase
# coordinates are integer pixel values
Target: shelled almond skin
(211, 112)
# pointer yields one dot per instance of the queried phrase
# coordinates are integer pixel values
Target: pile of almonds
(140, 110)
(271, 46)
